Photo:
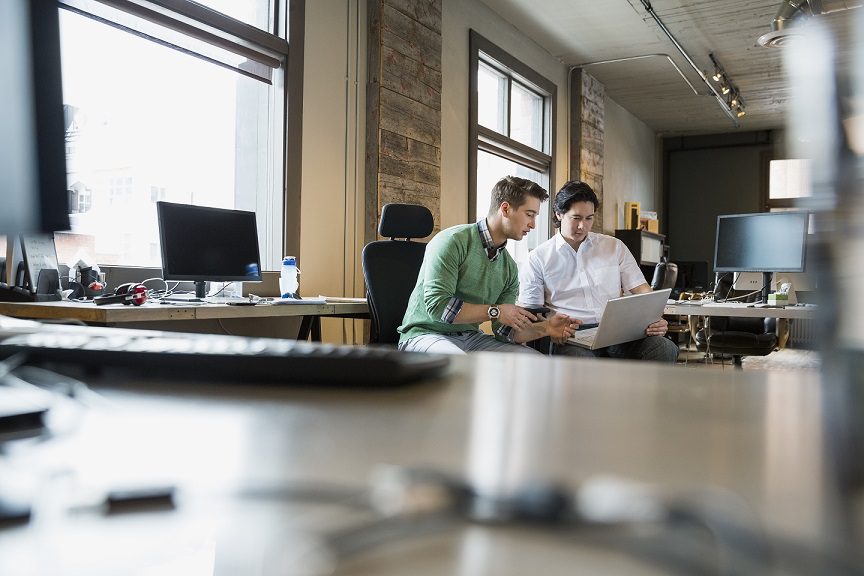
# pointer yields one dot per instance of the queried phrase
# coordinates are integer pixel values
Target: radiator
(803, 334)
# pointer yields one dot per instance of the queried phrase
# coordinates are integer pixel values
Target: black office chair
(737, 336)
(390, 267)
(665, 275)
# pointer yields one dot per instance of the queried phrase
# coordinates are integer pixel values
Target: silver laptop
(624, 320)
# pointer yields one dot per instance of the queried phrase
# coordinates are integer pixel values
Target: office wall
(630, 154)
(460, 16)
(707, 176)
(331, 203)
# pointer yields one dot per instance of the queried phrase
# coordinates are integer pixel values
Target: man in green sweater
(468, 277)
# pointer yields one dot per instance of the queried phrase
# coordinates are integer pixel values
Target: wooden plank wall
(587, 134)
(403, 135)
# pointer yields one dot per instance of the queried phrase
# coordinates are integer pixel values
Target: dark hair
(513, 190)
(573, 191)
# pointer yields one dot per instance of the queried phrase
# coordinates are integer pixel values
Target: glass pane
(148, 123)
(490, 169)
(254, 12)
(526, 117)
(491, 99)
(789, 179)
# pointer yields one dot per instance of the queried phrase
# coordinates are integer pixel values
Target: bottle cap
(289, 260)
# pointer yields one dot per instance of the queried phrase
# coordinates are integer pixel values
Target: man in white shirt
(577, 271)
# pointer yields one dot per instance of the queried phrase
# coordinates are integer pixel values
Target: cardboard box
(650, 224)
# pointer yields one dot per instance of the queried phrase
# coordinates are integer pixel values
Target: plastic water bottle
(288, 282)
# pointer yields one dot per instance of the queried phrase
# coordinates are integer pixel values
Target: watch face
(494, 312)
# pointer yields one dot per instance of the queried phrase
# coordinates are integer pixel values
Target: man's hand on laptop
(560, 327)
(657, 328)
(515, 316)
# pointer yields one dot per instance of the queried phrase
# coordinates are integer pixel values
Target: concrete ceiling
(584, 32)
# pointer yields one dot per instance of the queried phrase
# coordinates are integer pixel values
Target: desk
(791, 312)
(788, 313)
(755, 447)
(114, 314)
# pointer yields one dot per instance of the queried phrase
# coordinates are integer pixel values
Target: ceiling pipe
(792, 13)
(717, 95)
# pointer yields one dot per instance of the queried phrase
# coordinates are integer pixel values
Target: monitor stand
(201, 290)
(766, 286)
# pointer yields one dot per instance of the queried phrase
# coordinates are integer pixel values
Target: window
(511, 131)
(788, 180)
(159, 107)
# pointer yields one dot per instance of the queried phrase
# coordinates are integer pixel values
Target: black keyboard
(215, 357)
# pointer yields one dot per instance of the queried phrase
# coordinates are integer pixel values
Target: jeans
(460, 343)
(652, 348)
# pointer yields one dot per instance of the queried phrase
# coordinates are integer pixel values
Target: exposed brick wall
(587, 129)
(403, 134)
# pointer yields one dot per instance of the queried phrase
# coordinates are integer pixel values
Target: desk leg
(316, 329)
(310, 325)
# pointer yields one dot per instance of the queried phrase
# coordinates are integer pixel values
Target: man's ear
(504, 208)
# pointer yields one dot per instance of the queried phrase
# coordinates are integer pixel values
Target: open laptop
(624, 320)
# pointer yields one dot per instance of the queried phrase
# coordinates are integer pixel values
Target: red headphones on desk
(130, 293)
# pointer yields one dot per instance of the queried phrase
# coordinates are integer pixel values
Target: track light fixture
(733, 98)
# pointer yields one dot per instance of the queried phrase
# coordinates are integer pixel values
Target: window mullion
(507, 104)
(491, 141)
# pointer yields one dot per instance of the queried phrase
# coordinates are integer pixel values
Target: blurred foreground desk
(116, 314)
(717, 473)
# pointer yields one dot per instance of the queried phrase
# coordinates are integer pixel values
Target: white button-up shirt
(578, 282)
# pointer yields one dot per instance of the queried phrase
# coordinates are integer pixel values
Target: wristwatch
(494, 312)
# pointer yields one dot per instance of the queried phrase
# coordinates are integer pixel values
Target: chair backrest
(665, 275)
(390, 267)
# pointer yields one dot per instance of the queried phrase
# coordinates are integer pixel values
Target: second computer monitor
(204, 244)
(764, 242)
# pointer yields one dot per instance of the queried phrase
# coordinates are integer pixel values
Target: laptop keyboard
(584, 337)
(216, 357)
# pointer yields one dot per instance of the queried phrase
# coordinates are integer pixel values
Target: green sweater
(456, 265)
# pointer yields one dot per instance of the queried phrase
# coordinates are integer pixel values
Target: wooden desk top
(755, 447)
(156, 312)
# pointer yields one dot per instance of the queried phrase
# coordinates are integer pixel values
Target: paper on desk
(304, 300)
(344, 300)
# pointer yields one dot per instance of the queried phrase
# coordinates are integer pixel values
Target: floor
(785, 359)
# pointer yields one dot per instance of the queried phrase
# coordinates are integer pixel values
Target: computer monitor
(767, 242)
(32, 146)
(204, 244)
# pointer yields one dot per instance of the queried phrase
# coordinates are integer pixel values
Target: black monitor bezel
(805, 217)
(161, 206)
(35, 85)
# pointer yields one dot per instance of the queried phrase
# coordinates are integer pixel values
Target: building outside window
(158, 111)
(511, 131)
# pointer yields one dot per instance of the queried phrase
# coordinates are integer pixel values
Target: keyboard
(215, 357)
(180, 297)
(584, 337)
(727, 305)
(228, 300)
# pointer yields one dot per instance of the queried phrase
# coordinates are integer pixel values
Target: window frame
(270, 50)
(481, 138)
